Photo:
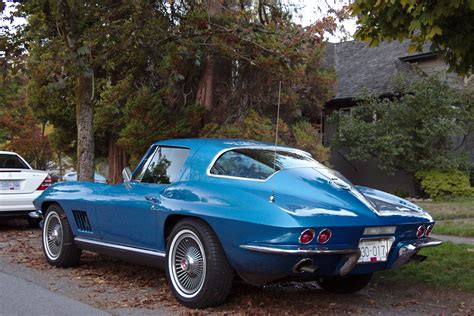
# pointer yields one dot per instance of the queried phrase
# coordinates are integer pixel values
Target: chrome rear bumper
(407, 251)
(302, 251)
(351, 256)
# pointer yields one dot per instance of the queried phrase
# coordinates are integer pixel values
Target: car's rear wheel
(345, 285)
(58, 240)
(197, 269)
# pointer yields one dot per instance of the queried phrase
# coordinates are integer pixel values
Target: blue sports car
(210, 209)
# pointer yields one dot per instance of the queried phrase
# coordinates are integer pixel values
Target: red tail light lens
(307, 236)
(324, 236)
(428, 230)
(421, 231)
(46, 183)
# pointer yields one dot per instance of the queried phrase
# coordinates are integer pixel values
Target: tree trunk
(205, 93)
(117, 161)
(85, 128)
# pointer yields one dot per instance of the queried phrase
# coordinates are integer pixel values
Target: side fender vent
(82, 221)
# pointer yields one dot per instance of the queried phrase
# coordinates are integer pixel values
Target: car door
(127, 212)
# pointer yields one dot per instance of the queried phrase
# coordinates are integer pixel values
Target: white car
(72, 176)
(19, 186)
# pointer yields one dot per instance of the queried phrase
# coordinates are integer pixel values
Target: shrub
(441, 184)
(258, 127)
(308, 138)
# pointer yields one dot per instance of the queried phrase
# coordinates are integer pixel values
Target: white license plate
(9, 185)
(374, 250)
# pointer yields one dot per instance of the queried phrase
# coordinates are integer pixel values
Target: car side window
(164, 166)
(240, 164)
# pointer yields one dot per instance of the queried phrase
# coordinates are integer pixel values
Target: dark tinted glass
(258, 163)
(165, 165)
(9, 161)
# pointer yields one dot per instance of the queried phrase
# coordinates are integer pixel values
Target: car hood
(321, 194)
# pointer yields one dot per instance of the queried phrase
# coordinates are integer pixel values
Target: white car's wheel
(58, 241)
(197, 269)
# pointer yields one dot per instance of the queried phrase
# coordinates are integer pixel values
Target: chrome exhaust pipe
(305, 265)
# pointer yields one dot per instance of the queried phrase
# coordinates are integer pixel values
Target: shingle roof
(362, 68)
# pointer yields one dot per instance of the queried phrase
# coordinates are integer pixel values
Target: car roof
(8, 152)
(216, 143)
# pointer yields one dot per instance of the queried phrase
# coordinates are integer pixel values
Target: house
(361, 68)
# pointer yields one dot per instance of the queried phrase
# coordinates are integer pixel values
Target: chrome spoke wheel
(52, 235)
(187, 263)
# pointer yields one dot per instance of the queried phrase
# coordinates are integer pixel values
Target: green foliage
(440, 184)
(252, 126)
(257, 127)
(148, 120)
(448, 25)
(148, 60)
(412, 132)
(308, 138)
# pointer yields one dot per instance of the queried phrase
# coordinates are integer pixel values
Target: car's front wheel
(345, 285)
(58, 240)
(197, 269)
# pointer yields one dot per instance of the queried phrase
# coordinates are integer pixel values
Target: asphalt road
(21, 297)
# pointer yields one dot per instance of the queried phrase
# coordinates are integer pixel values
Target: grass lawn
(454, 218)
(450, 209)
(447, 266)
(455, 227)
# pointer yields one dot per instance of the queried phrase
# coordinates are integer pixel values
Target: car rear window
(258, 163)
(9, 161)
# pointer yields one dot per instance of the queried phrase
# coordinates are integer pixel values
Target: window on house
(345, 112)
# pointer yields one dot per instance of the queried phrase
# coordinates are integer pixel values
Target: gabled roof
(360, 67)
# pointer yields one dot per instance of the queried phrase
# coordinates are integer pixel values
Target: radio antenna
(272, 196)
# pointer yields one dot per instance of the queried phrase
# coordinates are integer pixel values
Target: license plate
(374, 250)
(9, 185)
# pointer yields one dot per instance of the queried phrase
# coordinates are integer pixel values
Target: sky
(310, 11)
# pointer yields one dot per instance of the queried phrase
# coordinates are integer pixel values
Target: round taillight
(420, 231)
(428, 230)
(307, 236)
(324, 236)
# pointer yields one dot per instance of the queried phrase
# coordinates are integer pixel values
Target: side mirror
(126, 174)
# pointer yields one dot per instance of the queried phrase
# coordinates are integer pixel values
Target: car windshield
(260, 163)
(10, 161)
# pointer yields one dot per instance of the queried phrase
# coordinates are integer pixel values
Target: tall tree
(216, 69)
(448, 25)
(70, 20)
(148, 62)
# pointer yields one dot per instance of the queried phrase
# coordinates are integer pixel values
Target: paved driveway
(20, 297)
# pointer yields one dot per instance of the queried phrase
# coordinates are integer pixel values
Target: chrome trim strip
(120, 247)
(145, 165)
(299, 251)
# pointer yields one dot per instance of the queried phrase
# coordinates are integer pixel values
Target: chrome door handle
(152, 199)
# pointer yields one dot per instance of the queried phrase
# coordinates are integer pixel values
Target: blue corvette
(209, 209)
